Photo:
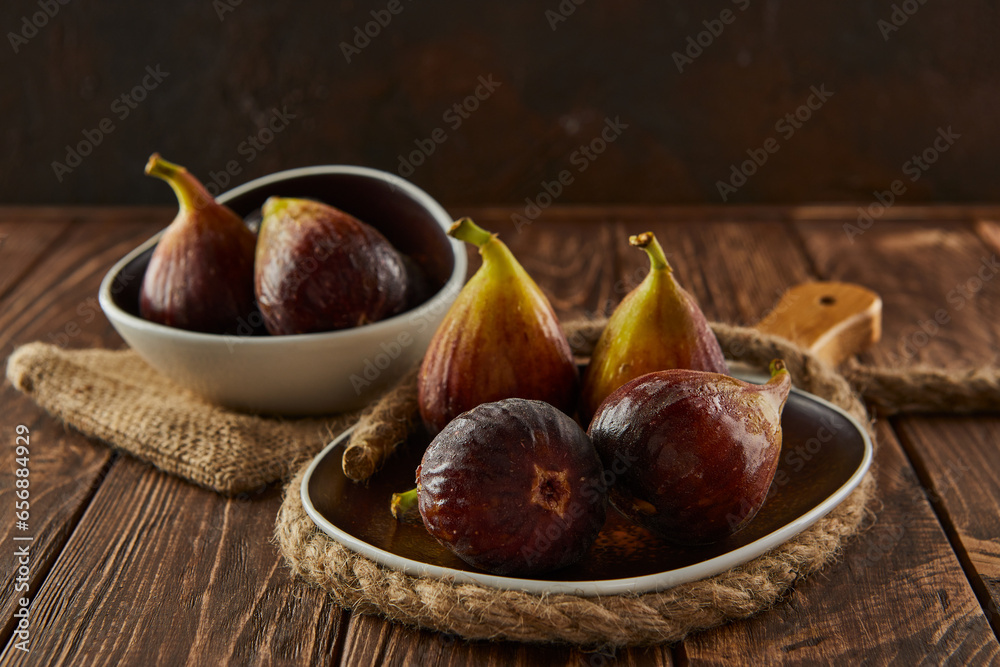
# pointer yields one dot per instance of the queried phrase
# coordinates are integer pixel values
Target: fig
(657, 326)
(200, 275)
(511, 487)
(500, 339)
(701, 450)
(321, 269)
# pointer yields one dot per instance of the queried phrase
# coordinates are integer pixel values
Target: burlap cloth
(114, 396)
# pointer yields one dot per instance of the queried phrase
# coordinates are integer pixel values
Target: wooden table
(132, 566)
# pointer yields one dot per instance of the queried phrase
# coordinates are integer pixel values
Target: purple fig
(702, 449)
(512, 487)
(200, 275)
(656, 327)
(500, 339)
(321, 269)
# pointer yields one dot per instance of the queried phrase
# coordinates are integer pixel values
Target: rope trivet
(479, 612)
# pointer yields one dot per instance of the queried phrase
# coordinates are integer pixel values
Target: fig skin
(200, 275)
(702, 450)
(321, 269)
(657, 326)
(513, 487)
(500, 339)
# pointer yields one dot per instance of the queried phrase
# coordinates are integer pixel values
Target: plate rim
(648, 583)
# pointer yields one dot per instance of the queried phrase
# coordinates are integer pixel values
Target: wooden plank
(898, 596)
(159, 571)
(952, 306)
(842, 597)
(205, 561)
(162, 512)
(936, 309)
(22, 245)
(373, 641)
(65, 468)
(959, 460)
(837, 214)
(58, 303)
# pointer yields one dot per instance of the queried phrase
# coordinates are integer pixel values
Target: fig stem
(403, 504)
(647, 241)
(777, 366)
(191, 194)
(468, 231)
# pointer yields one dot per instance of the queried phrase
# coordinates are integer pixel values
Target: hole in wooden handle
(828, 300)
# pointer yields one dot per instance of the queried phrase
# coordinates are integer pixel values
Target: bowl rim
(450, 287)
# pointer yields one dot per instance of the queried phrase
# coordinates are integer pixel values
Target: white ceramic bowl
(305, 374)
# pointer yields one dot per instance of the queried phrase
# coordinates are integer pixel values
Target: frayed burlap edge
(478, 612)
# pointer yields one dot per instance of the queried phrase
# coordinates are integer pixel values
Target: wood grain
(689, 125)
(832, 320)
(213, 549)
(763, 260)
(936, 309)
(960, 463)
(896, 597)
(161, 572)
(370, 641)
(21, 245)
(956, 459)
(65, 469)
(136, 567)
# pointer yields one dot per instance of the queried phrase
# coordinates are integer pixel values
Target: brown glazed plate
(825, 454)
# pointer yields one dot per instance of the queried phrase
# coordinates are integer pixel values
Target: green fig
(500, 339)
(200, 275)
(657, 326)
(321, 269)
(699, 450)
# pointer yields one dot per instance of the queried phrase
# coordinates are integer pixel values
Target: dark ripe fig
(701, 448)
(500, 339)
(512, 487)
(656, 327)
(321, 269)
(200, 275)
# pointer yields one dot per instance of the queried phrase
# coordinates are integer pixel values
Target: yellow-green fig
(658, 326)
(500, 339)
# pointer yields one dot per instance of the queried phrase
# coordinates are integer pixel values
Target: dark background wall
(229, 66)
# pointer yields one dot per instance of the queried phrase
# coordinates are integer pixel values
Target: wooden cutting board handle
(832, 320)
